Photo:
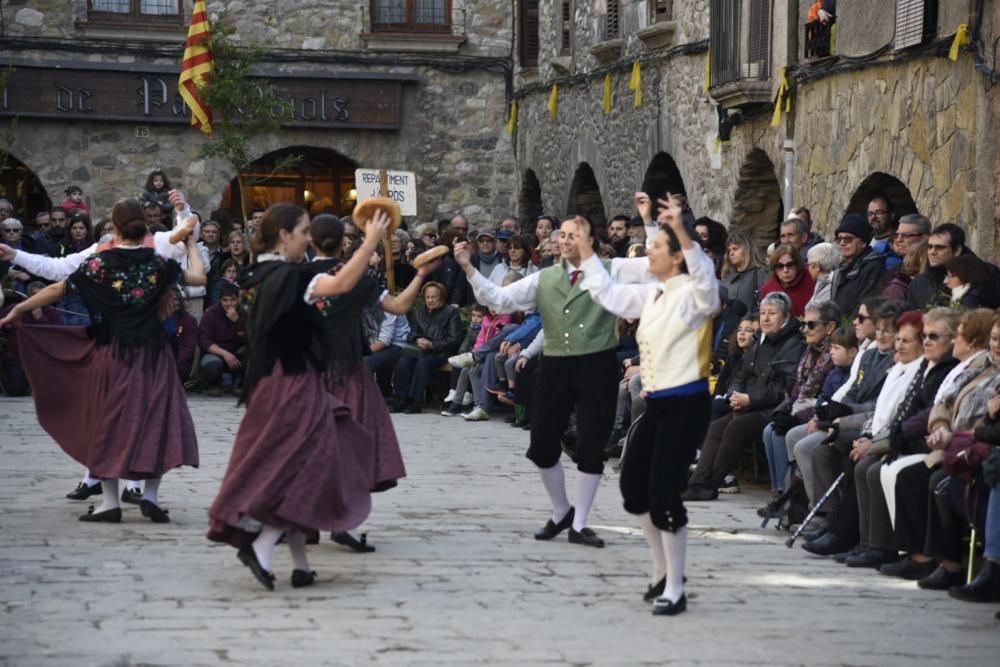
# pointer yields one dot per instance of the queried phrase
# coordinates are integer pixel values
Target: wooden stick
(390, 272)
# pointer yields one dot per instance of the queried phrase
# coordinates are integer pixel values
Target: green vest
(573, 324)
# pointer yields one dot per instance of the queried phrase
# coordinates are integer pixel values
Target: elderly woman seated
(823, 259)
(767, 373)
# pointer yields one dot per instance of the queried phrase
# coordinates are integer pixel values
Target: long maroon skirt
(121, 419)
(300, 461)
(358, 390)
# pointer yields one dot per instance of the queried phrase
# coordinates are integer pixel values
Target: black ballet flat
(551, 529)
(248, 557)
(82, 491)
(653, 592)
(664, 607)
(153, 512)
(301, 578)
(360, 546)
(107, 516)
(132, 496)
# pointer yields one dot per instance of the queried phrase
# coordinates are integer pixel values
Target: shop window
(528, 33)
(168, 12)
(411, 16)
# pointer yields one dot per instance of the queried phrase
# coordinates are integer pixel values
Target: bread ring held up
(428, 256)
(367, 209)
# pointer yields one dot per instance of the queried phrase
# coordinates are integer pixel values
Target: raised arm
(402, 302)
(344, 281)
(520, 295)
(43, 297)
(50, 268)
(195, 273)
(622, 300)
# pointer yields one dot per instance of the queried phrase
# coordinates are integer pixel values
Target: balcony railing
(819, 38)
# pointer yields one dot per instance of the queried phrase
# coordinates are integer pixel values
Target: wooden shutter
(613, 20)
(529, 33)
(915, 21)
(567, 25)
(662, 10)
(760, 32)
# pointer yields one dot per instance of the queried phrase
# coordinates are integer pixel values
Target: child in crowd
(158, 190)
(74, 200)
(491, 325)
(463, 360)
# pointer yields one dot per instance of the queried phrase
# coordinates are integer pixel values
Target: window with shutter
(612, 29)
(411, 16)
(760, 33)
(661, 10)
(567, 25)
(916, 20)
(528, 33)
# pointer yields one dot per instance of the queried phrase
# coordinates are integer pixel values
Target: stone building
(875, 105)
(417, 85)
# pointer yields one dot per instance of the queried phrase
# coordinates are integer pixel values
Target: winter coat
(858, 279)
(768, 371)
(862, 395)
(442, 327)
(927, 289)
(744, 286)
(800, 291)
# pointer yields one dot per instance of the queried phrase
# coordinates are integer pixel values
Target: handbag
(964, 456)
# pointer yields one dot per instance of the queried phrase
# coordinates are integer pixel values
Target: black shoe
(664, 607)
(814, 535)
(908, 569)
(941, 580)
(984, 588)
(586, 537)
(248, 557)
(301, 578)
(511, 419)
(653, 592)
(132, 496)
(107, 516)
(550, 529)
(698, 493)
(873, 558)
(396, 404)
(154, 512)
(82, 491)
(346, 539)
(613, 451)
(413, 408)
(827, 545)
(842, 557)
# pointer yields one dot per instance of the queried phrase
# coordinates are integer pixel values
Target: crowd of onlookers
(866, 367)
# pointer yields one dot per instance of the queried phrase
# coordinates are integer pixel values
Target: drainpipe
(789, 150)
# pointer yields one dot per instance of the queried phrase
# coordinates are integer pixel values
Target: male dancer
(579, 371)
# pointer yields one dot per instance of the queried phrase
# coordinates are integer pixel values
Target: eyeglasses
(935, 337)
(781, 266)
(862, 318)
(908, 235)
(10, 229)
(811, 324)
(885, 332)
(877, 212)
(847, 239)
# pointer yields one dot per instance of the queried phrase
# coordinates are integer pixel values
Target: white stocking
(554, 479)
(263, 546)
(109, 498)
(586, 489)
(297, 545)
(675, 549)
(652, 534)
(152, 490)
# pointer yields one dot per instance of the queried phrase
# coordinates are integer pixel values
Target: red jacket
(800, 291)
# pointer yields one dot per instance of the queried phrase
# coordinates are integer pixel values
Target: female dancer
(675, 338)
(300, 462)
(136, 425)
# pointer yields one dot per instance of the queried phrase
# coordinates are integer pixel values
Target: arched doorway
(757, 206)
(529, 203)
(21, 187)
(585, 196)
(663, 176)
(885, 185)
(317, 179)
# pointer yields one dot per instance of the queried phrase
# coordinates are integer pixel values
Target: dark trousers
(950, 510)
(874, 524)
(413, 374)
(911, 508)
(13, 381)
(527, 380)
(587, 384)
(213, 368)
(726, 438)
(656, 460)
(382, 364)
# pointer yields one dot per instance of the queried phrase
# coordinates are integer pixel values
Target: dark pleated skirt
(120, 419)
(357, 389)
(300, 461)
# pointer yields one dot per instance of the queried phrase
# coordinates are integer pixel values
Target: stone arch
(585, 196)
(663, 176)
(21, 187)
(321, 180)
(529, 202)
(880, 183)
(757, 205)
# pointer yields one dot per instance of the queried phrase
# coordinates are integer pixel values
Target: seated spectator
(794, 232)
(436, 333)
(518, 259)
(819, 323)
(968, 279)
(789, 276)
(463, 358)
(740, 342)
(822, 260)
(222, 339)
(505, 360)
(882, 218)
(12, 234)
(228, 275)
(386, 349)
(927, 289)
(486, 258)
(182, 330)
(914, 262)
(861, 268)
(13, 381)
(768, 373)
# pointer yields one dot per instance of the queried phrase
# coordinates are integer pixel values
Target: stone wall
(452, 121)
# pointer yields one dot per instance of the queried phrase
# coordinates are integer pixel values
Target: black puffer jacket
(442, 327)
(859, 279)
(768, 370)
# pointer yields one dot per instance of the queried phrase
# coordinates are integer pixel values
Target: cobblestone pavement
(456, 578)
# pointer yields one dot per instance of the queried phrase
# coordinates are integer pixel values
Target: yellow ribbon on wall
(554, 101)
(708, 71)
(512, 121)
(635, 82)
(783, 100)
(961, 39)
(607, 93)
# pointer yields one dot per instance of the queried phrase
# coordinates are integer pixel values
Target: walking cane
(790, 542)
(971, 509)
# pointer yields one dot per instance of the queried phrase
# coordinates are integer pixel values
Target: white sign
(401, 187)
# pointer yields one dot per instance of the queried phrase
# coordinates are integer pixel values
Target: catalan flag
(196, 70)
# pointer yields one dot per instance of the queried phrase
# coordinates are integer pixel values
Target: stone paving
(456, 578)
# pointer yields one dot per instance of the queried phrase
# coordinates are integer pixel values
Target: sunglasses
(10, 229)
(935, 337)
(862, 318)
(781, 266)
(846, 240)
(811, 324)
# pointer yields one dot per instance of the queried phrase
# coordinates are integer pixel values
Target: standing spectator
(882, 219)
(543, 231)
(861, 269)
(713, 237)
(211, 237)
(436, 330)
(743, 273)
(795, 233)
(928, 290)
(518, 259)
(803, 214)
(13, 381)
(823, 259)
(50, 240)
(253, 223)
(912, 228)
(460, 225)
(788, 276)
(6, 209)
(402, 270)
(182, 331)
(618, 234)
(222, 337)
(511, 225)
(152, 209)
(12, 234)
(486, 258)
(78, 234)
(636, 232)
